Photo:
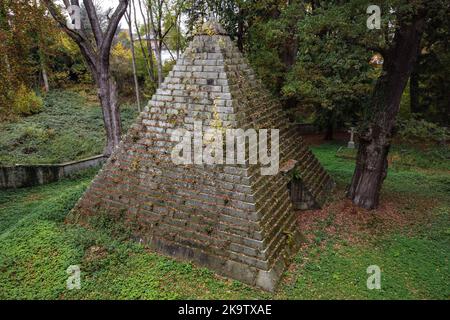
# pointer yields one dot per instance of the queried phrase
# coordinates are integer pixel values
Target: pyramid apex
(210, 27)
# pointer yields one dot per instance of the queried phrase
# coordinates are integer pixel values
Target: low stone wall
(31, 175)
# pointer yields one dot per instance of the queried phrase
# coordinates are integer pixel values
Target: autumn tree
(26, 37)
(96, 53)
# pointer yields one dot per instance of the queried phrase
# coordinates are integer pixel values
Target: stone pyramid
(229, 218)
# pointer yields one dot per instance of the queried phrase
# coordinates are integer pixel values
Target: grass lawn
(69, 127)
(408, 237)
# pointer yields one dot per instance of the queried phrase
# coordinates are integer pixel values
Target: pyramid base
(267, 280)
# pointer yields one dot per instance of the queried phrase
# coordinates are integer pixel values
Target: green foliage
(405, 176)
(431, 87)
(33, 249)
(26, 101)
(264, 55)
(67, 66)
(296, 174)
(174, 38)
(434, 67)
(411, 268)
(121, 69)
(67, 128)
(406, 157)
(36, 247)
(413, 130)
(168, 66)
(331, 76)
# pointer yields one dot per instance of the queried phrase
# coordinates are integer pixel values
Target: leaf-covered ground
(408, 237)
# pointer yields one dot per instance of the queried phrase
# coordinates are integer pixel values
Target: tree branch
(110, 31)
(77, 36)
(93, 20)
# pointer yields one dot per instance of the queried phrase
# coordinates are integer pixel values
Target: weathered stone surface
(19, 176)
(229, 218)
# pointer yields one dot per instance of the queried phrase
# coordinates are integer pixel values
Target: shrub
(414, 129)
(26, 102)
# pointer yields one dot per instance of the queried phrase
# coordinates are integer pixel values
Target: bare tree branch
(149, 56)
(94, 21)
(110, 31)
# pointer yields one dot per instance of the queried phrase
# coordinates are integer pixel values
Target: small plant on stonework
(296, 174)
(221, 43)
(112, 224)
(135, 137)
(173, 119)
(209, 230)
(289, 244)
(135, 165)
(289, 238)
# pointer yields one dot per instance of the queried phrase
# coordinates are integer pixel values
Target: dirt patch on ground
(34, 197)
(342, 220)
(95, 253)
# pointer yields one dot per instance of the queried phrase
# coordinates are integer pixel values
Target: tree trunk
(240, 31)
(155, 28)
(111, 113)
(329, 131)
(329, 125)
(414, 91)
(158, 53)
(148, 60)
(374, 140)
(45, 79)
(136, 83)
(133, 57)
(178, 22)
(370, 172)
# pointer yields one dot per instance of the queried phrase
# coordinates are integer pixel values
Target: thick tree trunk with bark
(375, 138)
(107, 93)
